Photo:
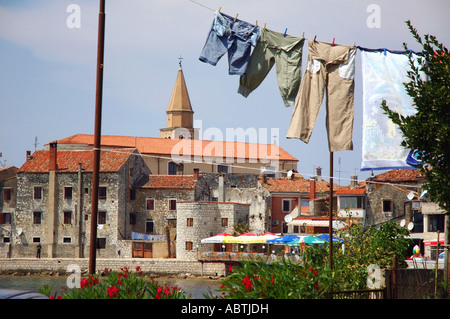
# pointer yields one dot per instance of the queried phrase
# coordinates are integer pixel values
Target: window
(189, 245)
(36, 239)
(101, 220)
(172, 204)
(286, 205)
(222, 169)
(5, 218)
(387, 205)
(102, 192)
(68, 192)
(37, 192)
(67, 218)
(224, 222)
(6, 240)
(150, 204)
(418, 222)
(101, 243)
(190, 222)
(436, 222)
(351, 202)
(149, 226)
(172, 168)
(132, 219)
(7, 194)
(67, 240)
(37, 218)
(132, 194)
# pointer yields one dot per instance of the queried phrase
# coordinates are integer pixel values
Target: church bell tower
(180, 116)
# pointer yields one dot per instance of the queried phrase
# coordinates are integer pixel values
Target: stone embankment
(67, 266)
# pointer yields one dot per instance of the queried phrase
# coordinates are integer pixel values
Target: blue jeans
(236, 38)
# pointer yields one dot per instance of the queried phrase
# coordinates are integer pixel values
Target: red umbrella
(223, 234)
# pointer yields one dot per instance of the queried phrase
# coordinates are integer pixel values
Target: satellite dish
(403, 223)
(410, 226)
(410, 195)
(19, 231)
(423, 194)
(288, 218)
(289, 174)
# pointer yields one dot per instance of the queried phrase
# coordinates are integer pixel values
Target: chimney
(196, 173)
(52, 166)
(28, 155)
(221, 197)
(312, 188)
(319, 173)
(353, 181)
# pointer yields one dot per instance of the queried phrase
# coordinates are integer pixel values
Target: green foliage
(118, 285)
(313, 279)
(428, 131)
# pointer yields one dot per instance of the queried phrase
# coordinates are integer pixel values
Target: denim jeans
(235, 37)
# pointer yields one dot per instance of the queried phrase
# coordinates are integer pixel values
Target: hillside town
(160, 196)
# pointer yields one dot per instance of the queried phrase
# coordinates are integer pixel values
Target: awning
(434, 242)
(215, 239)
(317, 223)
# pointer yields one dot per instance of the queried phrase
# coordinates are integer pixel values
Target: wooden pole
(97, 136)
(330, 213)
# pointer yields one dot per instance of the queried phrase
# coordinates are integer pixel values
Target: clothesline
(358, 47)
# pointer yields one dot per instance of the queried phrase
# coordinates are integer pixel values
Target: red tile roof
(294, 185)
(171, 181)
(165, 147)
(7, 172)
(399, 175)
(67, 161)
(351, 191)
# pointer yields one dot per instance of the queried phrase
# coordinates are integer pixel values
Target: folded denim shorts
(235, 37)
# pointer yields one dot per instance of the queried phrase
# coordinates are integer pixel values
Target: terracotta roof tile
(67, 161)
(295, 185)
(399, 175)
(171, 181)
(165, 147)
(351, 191)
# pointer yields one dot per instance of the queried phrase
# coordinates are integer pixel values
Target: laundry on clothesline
(233, 36)
(384, 73)
(330, 71)
(282, 50)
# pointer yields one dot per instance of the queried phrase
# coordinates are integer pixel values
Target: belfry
(180, 116)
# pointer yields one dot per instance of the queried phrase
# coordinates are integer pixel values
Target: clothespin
(332, 44)
(315, 38)
(285, 31)
(235, 18)
(264, 25)
(303, 35)
(219, 9)
(384, 51)
(256, 23)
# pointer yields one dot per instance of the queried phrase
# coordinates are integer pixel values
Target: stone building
(53, 206)
(8, 196)
(198, 220)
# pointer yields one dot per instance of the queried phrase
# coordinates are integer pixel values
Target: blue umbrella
(326, 237)
(283, 240)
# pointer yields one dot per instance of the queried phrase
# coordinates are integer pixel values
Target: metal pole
(330, 213)
(97, 136)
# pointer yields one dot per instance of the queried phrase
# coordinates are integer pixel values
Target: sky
(48, 52)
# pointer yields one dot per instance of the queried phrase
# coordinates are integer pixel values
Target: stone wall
(198, 220)
(162, 267)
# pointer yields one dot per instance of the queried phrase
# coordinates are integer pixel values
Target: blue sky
(47, 77)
